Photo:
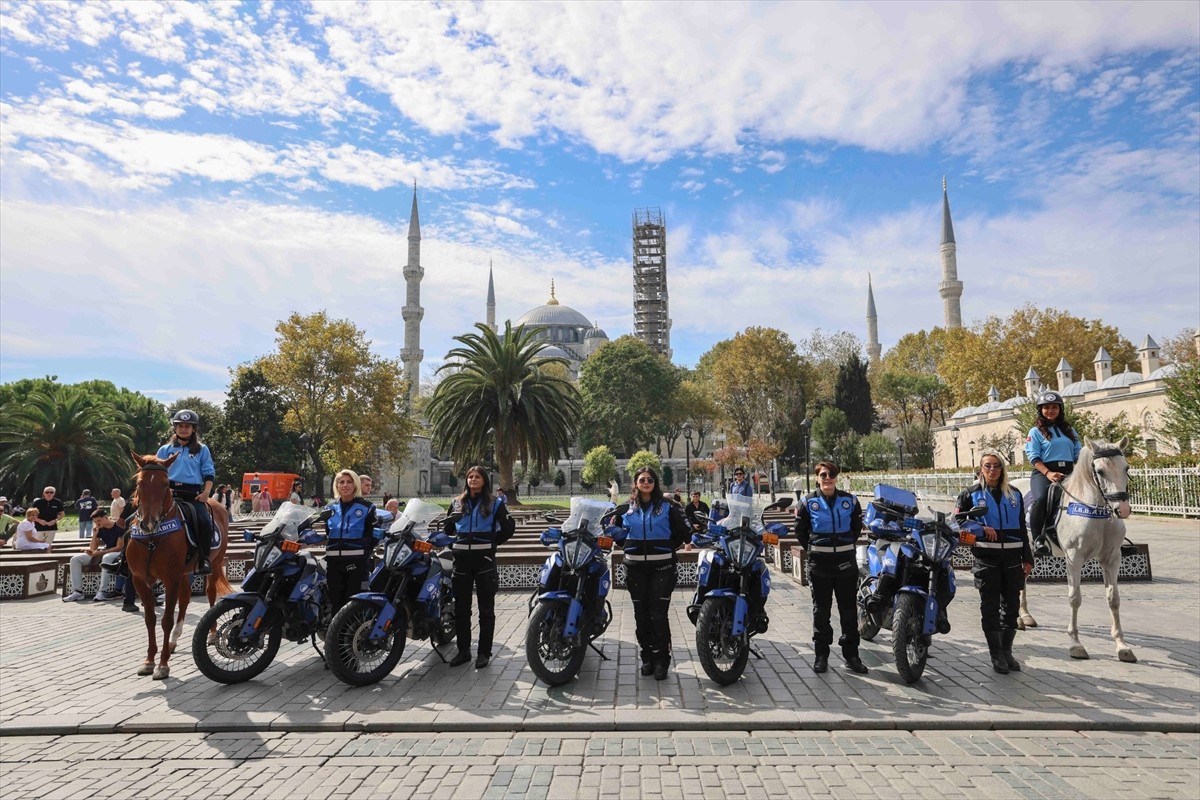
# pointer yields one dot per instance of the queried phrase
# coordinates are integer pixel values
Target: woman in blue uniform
(484, 525)
(656, 529)
(1051, 448)
(191, 478)
(351, 540)
(1003, 558)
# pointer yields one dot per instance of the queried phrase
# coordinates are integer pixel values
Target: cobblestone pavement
(76, 722)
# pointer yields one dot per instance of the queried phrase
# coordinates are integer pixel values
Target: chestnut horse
(158, 550)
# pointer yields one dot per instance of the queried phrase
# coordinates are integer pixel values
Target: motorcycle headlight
(741, 552)
(936, 546)
(577, 553)
(396, 553)
(267, 556)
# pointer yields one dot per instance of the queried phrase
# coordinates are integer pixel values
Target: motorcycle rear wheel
(909, 646)
(553, 659)
(230, 658)
(721, 654)
(350, 653)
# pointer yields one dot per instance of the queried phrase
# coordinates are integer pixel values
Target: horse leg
(1110, 569)
(168, 625)
(1024, 618)
(146, 594)
(1075, 597)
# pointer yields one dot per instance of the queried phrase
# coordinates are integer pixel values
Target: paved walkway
(75, 720)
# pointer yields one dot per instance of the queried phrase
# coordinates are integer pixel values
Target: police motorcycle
(283, 595)
(410, 596)
(727, 568)
(569, 609)
(907, 558)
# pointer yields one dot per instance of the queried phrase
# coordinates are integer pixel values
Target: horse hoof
(1020, 624)
(1127, 656)
(161, 672)
(145, 669)
(1078, 651)
(212, 639)
(1028, 622)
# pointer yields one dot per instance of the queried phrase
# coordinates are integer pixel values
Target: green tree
(852, 394)
(500, 392)
(877, 451)
(352, 405)
(255, 434)
(829, 431)
(755, 379)
(599, 466)
(668, 475)
(626, 390)
(824, 353)
(62, 436)
(644, 458)
(907, 397)
(560, 479)
(696, 405)
(1182, 418)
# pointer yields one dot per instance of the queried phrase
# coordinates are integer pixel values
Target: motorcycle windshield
(586, 513)
(287, 521)
(741, 514)
(419, 513)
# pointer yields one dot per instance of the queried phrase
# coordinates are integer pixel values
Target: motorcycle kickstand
(599, 651)
(754, 650)
(319, 652)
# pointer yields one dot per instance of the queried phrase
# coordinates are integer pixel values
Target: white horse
(1091, 524)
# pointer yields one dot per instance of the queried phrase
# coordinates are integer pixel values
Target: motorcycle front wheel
(554, 659)
(219, 649)
(722, 655)
(352, 655)
(909, 646)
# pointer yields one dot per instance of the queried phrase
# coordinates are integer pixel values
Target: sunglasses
(644, 479)
(989, 467)
(824, 475)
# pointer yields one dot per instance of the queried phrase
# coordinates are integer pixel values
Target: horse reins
(1109, 497)
(167, 505)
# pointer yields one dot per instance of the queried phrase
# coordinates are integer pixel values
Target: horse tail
(222, 583)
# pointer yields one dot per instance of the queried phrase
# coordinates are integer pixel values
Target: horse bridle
(1114, 497)
(168, 499)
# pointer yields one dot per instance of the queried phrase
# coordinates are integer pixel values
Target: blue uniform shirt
(1057, 448)
(190, 468)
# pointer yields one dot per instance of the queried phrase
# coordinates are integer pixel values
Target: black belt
(1060, 466)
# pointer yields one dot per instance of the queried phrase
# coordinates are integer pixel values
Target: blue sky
(177, 177)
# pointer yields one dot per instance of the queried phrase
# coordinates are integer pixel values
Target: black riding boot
(203, 567)
(1037, 524)
(1006, 642)
(996, 649)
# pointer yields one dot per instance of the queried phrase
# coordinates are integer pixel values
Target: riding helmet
(1049, 398)
(186, 415)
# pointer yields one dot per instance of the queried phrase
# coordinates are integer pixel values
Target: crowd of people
(828, 524)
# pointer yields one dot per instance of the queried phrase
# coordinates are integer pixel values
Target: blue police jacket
(741, 487)
(1005, 516)
(1058, 447)
(474, 527)
(649, 529)
(190, 469)
(350, 527)
(830, 522)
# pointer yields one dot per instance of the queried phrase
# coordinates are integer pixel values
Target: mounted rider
(1051, 448)
(191, 478)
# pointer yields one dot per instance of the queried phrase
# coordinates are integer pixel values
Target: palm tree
(62, 436)
(500, 393)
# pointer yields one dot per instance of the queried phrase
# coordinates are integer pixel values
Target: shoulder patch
(814, 505)
(845, 504)
(358, 512)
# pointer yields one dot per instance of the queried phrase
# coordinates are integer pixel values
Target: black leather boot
(1006, 642)
(202, 565)
(461, 658)
(821, 662)
(661, 665)
(995, 648)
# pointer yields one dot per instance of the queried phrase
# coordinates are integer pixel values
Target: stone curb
(641, 725)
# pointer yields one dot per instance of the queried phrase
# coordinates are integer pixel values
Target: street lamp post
(972, 444)
(688, 432)
(805, 426)
(900, 447)
(954, 438)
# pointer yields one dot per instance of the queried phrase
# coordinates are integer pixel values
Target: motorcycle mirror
(325, 514)
(977, 512)
(779, 504)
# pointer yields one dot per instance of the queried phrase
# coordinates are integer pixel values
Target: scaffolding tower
(651, 310)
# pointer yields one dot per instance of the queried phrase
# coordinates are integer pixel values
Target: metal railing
(1160, 490)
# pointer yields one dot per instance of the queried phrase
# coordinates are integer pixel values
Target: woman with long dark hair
(656, 529)
(1052, 448)
(480, 523)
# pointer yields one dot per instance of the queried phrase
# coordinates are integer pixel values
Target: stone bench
(31, 576)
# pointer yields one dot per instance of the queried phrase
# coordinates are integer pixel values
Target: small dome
(1123, 380)
(1014, 402)
(1165, 371)
(965, 411)
(556, 352)
(991, 405)
(1079, 388)
(595, 333)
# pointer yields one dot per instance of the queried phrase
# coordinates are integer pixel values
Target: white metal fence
(1160, 490)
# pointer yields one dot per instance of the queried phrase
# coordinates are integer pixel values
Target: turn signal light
(288, 546)
(422, 547)
(605, 542)
(967, 539)
(770, 538)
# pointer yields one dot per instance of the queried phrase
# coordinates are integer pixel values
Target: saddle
(191, 524)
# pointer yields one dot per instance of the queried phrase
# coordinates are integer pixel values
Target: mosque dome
(553, 314)
(965, 411)
(1079, 388)
(1015, 402)
(556, 352)
(1165, 371)
(991, 405)
(595, 332)
(1122, 380)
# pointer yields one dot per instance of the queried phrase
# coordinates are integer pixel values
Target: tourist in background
(740, 486)
(86, 505)
(50, 510)
(28, 538)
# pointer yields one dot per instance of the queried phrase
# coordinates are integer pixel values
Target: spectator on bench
(105, 548)
(28, 538)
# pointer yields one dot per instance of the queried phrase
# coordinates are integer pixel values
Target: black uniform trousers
(999, 577)
(1039, 486)
(834, 575)
(650, 584)
(345, 577)
(475, 571)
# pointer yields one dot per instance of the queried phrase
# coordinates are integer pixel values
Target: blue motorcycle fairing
(778, 528)
(704, 568)
(765, 577)
(740, 609)
(552, 561)
(550, 536)
(555, 595)
(931, 611)
(571, 626)
(888, 563)
(254, 618)
(605, 584)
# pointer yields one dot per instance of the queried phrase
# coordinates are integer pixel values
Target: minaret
(491, 300)
(873, 347)
(412, 312)
(951, 287)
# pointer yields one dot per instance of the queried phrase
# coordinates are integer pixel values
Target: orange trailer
(279, 484)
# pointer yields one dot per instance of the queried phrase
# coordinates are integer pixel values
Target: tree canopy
(626, 392)
(756, 380)
(852, 394)
(255, 436)
(599, 466)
